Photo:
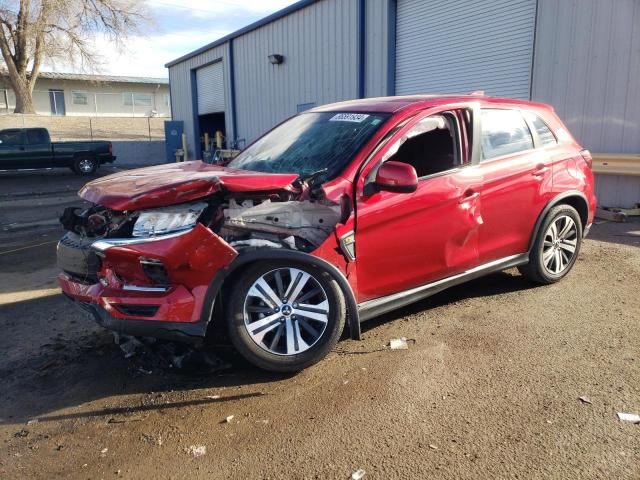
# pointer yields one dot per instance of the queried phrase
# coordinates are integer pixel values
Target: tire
(85, 166)
(281, 336)
(554, 251)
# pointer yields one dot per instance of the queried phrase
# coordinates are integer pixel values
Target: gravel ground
(490, 386)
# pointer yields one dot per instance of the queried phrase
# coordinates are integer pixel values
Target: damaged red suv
(335, 216)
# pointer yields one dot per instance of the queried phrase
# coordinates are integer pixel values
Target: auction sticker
(349, 117)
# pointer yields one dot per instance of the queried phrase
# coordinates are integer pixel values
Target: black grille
(138, 310)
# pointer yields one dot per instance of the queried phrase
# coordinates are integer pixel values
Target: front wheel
(556, 247)
(285, 316)
(85, 166)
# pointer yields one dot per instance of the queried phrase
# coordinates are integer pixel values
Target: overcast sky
(182, 26)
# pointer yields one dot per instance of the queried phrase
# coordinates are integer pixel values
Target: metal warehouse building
(581, 56)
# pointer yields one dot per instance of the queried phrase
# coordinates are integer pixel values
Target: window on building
(137, 99)
(9, 138)
(504, 132)
(167, 100)
(545, 135)
(80, 98)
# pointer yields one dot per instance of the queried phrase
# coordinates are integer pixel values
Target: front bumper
(123, 298)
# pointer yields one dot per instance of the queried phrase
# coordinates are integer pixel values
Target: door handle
(468, 195)
(540, 170)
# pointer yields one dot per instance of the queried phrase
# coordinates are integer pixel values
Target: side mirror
(396, 177)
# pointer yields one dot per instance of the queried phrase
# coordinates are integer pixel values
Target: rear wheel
(85, 166)
(285, 316)
(556, 247)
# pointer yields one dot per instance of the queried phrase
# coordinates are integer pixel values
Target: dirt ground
(490, 386)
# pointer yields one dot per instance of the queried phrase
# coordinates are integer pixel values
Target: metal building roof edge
(253, 26)
(86, 77)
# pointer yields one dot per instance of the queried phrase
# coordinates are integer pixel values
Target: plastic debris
(213, 397)
(197, 450)
(33, 422)
(398, 344)
(628, 417)
(585, 400)
(433, 447)
(229, 418)
(358, 474)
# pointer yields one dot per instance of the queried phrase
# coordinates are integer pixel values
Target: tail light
(586, 155)
(110, 148)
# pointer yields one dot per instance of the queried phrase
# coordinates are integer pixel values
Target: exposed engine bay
(276, 220)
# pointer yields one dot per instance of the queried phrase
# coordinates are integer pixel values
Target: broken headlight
(165, 220)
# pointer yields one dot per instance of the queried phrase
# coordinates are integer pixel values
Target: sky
(181, 27)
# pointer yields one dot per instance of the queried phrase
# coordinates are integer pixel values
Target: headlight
(168, 219)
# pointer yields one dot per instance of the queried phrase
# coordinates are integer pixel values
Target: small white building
(72, 94)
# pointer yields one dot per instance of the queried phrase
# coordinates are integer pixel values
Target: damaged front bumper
(156, 286)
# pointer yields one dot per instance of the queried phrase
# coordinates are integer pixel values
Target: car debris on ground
(358, 474)
(628, 417)
(197, 450)
(400, 343)
(585, 400)
(149, 354)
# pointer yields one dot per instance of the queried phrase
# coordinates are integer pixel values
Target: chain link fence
(90, 128)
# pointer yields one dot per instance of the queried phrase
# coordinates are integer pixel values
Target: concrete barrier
(131, 153)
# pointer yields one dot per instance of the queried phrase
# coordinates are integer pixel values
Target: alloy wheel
(85, 165)
(286, 311)
(559, 244)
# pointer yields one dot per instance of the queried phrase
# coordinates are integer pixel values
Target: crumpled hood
(173, 183)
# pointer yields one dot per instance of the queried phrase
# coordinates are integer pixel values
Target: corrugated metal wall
(181, 94)
(376, 58)
(320, 49)
(462, 46)
(587, 65)
(210, 88)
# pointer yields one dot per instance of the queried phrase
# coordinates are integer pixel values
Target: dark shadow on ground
(68, 361)
(627, 233)
(495, 284)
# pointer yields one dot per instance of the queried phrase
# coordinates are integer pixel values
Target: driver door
(406, 240)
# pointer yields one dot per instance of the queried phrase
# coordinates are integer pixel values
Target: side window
(545, 135)
(504, 132)
(11, 138)
(431, 146)
(37, 136)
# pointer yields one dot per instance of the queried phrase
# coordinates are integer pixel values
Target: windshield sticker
(349, 117)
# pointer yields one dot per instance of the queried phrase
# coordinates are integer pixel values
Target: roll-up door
(459, 47)
(210, 84)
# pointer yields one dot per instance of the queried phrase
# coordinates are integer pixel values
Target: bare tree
(33, 31)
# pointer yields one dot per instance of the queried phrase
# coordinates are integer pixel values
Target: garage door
(459, 47)
(210, 84)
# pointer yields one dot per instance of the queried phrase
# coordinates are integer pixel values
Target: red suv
(337, 215)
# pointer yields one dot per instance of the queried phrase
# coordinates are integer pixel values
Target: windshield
(311, 143)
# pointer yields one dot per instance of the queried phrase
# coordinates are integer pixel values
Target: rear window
(11, 137)
(545, 135)
(37, 136)
(504, 132)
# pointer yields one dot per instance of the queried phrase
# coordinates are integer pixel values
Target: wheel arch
(225, 277)
(573, 198)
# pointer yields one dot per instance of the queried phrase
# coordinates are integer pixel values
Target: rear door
(12, 149)
(516, 179)
(38, 150)
(406, 240)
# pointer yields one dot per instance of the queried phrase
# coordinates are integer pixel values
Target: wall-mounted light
(276, 58)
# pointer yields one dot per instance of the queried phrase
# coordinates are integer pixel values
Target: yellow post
(206, 141)
(184, 147)
(219, 139)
